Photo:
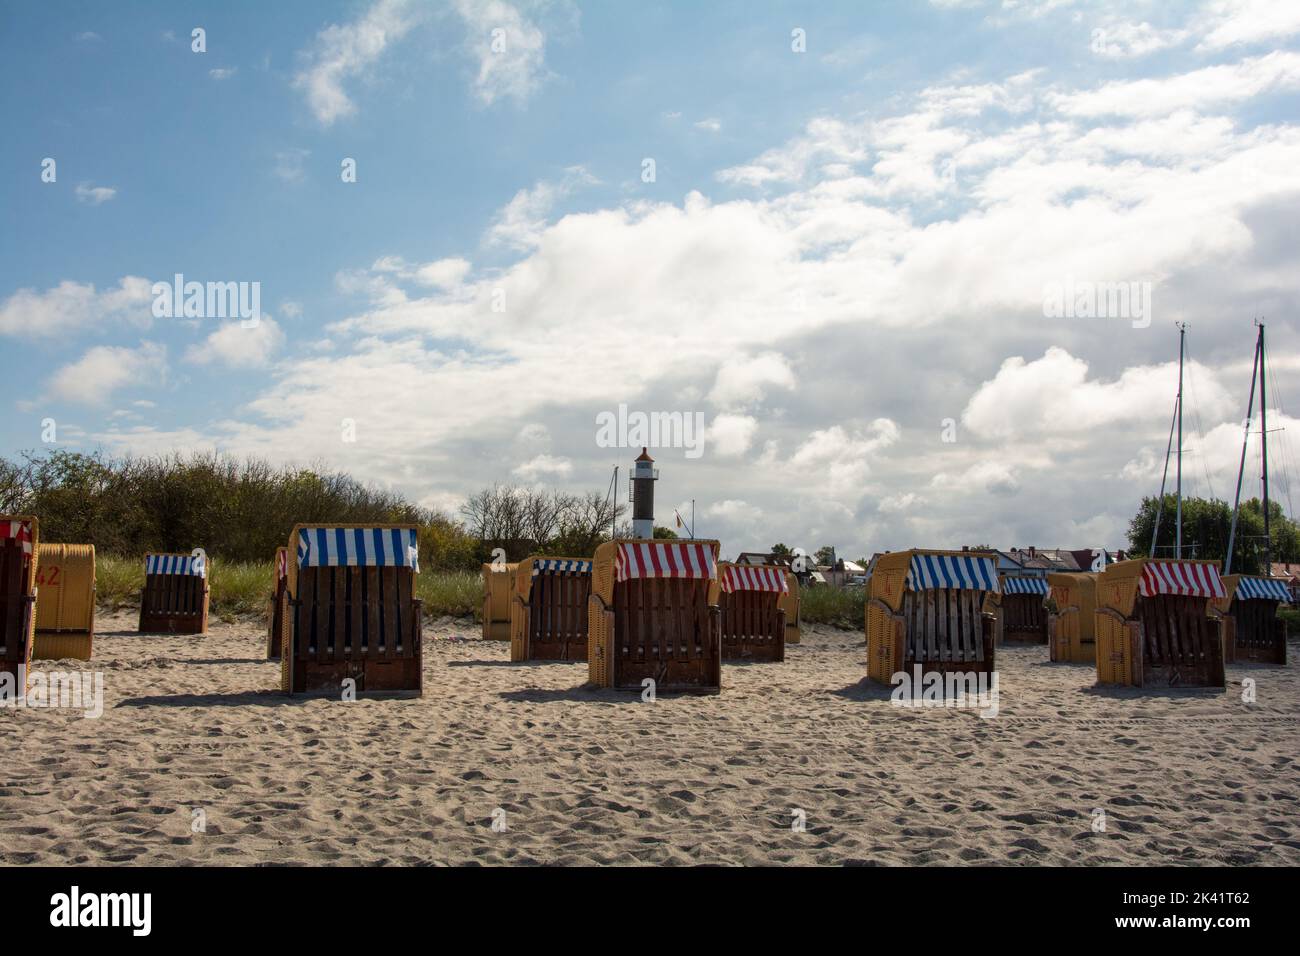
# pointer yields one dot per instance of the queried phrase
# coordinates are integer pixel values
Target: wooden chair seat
(550, 624)
(358, 623)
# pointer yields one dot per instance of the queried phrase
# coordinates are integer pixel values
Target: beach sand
(597, 777)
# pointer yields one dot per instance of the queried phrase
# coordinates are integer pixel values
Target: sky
(838, 237)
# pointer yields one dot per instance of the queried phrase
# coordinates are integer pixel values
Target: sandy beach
(579, 776)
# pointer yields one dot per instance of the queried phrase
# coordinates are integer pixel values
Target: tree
(781, 551)
(665, 534)
(825, 555)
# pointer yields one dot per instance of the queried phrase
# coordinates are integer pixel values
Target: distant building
(1289, 573)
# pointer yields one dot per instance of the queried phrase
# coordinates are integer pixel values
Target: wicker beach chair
(19, 541)
(352, 610)
(1072, 627)
(548, 609)
(1154, 626)
(1252, 629)
(926, 608)
(649, 616)
(175, 595)
(748, 598)
(65, 602)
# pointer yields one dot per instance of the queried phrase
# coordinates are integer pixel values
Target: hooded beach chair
(19, 537)
(175, 595)
(1252, 629)
(498, 594)
(748, 598)
(548, 609)
(65, 602)
(352, 610)
(1019, 612)
(1154, 627)
(279, 606)
(926, 608)
(1072, 627)
(790, 602)
(649, 616)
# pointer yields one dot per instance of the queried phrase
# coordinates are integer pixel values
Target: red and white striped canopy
(664, 559)
(741, 577)
(22, 530)
(1181, 577)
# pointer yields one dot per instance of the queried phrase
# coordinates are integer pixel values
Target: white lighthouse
(644, 476)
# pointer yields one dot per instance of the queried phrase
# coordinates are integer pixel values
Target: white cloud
(509, 48)
(709, 125)
(342, 52)
(544, 467)
(730, 435)
(223, 72)
(95, 195)
(741, 382)
(521, 221)
(102, 370)
(1124, 39)
(72, 306)
(1234, 22)
(1206, 88)
(1053, 395)
(235, 346)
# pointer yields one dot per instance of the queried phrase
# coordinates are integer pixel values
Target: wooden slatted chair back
(19, 544)
(352, 617)
(174, 599)
(926, 608)
(1154, 626)
(643, 623)
(498, 600)
(1252, 630)
(751, 617)
(549, 609)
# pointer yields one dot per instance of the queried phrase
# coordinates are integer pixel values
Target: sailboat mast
(1178, 520)
(1241, 469)
(1263, 429)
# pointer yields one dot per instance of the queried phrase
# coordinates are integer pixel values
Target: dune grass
(237, 588)
(837, 607)
(245, 587)
(1292, 617)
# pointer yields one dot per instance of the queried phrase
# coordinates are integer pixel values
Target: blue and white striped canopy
(175, 564)
(358, 547)
(1019, 585)
(553, 565)
(1263, 589)
(963, 571)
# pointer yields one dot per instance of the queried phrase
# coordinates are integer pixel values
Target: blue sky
(842, 248)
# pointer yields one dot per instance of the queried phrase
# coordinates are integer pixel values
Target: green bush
(450, 594)
(838, 607)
